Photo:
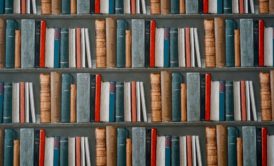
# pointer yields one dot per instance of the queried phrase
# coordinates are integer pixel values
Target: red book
(241, 6)
(98, 81)
(133, 102)
(22, 102)
(97, 6)
(43, 29)
(243, 101)
(207, 95)
(78, 48)
(205, 6)
(23, 7)
(188, 54)
(78, 151)
(152, 43)
(133, 6)
(261, 43)
(153, 147)
(42, 147)
(264, 146)
(189, 150)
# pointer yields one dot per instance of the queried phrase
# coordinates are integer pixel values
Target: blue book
(1, 101)
(166, 47)
(139, 146)
(7, 108)
(229, 40)
(26, 146)
(119, 106)
(112, 95)
(65, 97)
(176, 96)
(2, 6)
(175, 151)
(227, 6)
(119, 6)
(202, 96)
(256, 42)
(247, 42)
(65, 6)
(111, 6)
(8, 147)
(231, 146)
(63, 151)
(8, 6)
(37, 44)
(174, 7)
(174, 62)
(27, 47)
(36, 146)
(168, 151)
(192, 6)
(121, 146)
(92, 97)
(56, 151)
(249, 146)
(10, 43)
(138, 44)
(229, 101)
(64, 50)
(219, 6)
(121, 43)
(57, 48)
(222, 101)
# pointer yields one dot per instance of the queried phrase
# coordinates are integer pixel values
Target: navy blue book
(63, 151)
(166, 47)
(64, 50)
(92, 97)
(175, 151)
(256, 42)
(202, 96)
(121, 43)
(65, 6)
(1, 101)
(168, 151)
(229, 39)
(148, 145)
(229, 101)
(65, 97)
(7, 109)
(111, 6)
(10, 43)
(227, 6)
(232, 146)
(8, 147)
(147, 43)
(8, 6)
(219, 6)
(176, 96)
(222, 101)
(121, 146)
(259, 144)
(57, 48)
(174, 62)
(174, 7)
(36, 146)
(56, 151)
(112, 95)
(119, 6)
(119, 114)
(2, 6)
(37, 44)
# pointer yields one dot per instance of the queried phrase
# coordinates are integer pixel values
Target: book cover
(246, 41)
(193, 93)
(65, 97)
(26, 146)
(174, 47)
(120, 43)
(176, 96)
(138, 146)
(138, 44)
(249, 145)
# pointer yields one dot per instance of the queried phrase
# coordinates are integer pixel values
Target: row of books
(32, 147)
(145, 147)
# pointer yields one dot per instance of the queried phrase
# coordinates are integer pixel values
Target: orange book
(22, 102)
(133, 6)
(78, 151)
(23, 6)
(133, 102)
(78, 48)
(243, 101)
(17, 54)
(189, 150)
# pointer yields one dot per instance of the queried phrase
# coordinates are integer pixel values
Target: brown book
(183, 103)
(22, 102)
(222, 145)
(55, 88)
(239, 151)
(166, 95)
(78, 48)
(165, 5)
(111, 41)
(189, 149)
(271, 6)
(132, 6)
(45, 104)
(1, 147)
(133, 102)
(100, 135)
(128, 48)
(263, 6)
(23, 6)
(100, 41)
(2, 42)
(155, 94)
(56, 7)
(73, 103)
(155, 7)
(16, 152)
(272, 91)
(78, 151)
(265, 96)
(17, 56)
(211, 146)
(237, 48)
(210, 60)
(73, 6)
(128, 152)
(46, 6)
(182, 8)
(111, 142)
(219, 27)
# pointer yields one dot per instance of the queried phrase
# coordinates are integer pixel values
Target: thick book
(265, 96)
(121, 146)
(100, 40)
(111, 42)
(7, 106)
(166, 86)
(10, 46)
(138, 146)
(65, 97)
(49, 151)
(111, 143)
(237, 100)
(246, 41)
(55, 88)
(8, 147)
(156, 106)
(211, 146)
(268, 46)
(222, 144)
(2, 40)
(249, 145)
(160, 150)
(174, 47)
(229, 42)
(192, 6)
(49, 52)
(100, 146)
(231, 146)
(138, 44)
(26, 146)
(55, 7)
(176, 96)
(71, 150)
(45, 100)
(83, 7)
(104, 103)
(120, 43)
(1, 101)
(210, 58)
(27, 48)
(193, 93)
(219, 27)
(83, 97)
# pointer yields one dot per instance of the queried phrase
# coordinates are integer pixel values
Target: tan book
(239, 151)
(219, 27)
(155, 94)
(100, 43)
(17, 56)
(221, 145)
(265, 96)
(73, 6)
(271, 6)
(182, 7)
(165, 6)
(166, 95)
(210, 58)
(55, 89)
(183, 103)
(211, 146)
(100, 148)
(128, 49)
(56, 7)
(263, 6)
(16, 152)
(2, 42)
(46, 6)
(73, 92)
(45, 104)
(237, 48)
(128, 152)
(272, 91)
(111, 41)
(155, 7)
(111, 142)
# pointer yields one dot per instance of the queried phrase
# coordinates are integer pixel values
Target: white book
(49, 52)
(83, 157)
(127, 102)
(49, 148)
(87, 152)
(183, 151)
(138, 6)
(198, 150)
(212, 6)
(215, 101)
(237, 100)
(270, 150)
(252, 98)
(143, 102)
(138, 101)
(104, 6)
(159, 47)
(235, 6)
(197, 47)
(32, 107)
(71, 151)
(268, 46)
(181, 47)
(28, 6)
(72, 48)
(160, 151)
(144, 11)
(34, 9)
(15, 102)
(126, 6)
(88, 48)
(83, 48)
(17, 6)
(194, 161)
(246, 6)
(247, 96)
(27, 102)
(252, 8)
(104, 104)
(192, 47)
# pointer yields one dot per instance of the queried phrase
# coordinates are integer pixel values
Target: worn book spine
(271, 7)
(16, 152)
(17, 54)
(100, 42)
(249, 145)
(120, 42)
(231, 146)
(272, 91)
(229, 111)
(10, 43)
(193, 93)
(138, 146)
(174, 47)
(237, 48)
(166, 96)
(56, 7)
(176, 96)
(110, 42)
(73, 93)
(64, 44)
(265, 96)
(2, 41)
(46, 6)
(26, 146)
(98, 80)
(83, 97)
(65, 7)
(165, 5)
(128, 49)
(73, 6)
(45, 100)
(192, 6)
(210, 60)
(121, 146)
(111, 143)
(211, 146)
(138, 44)
(155, 6)
(246, 42)
(222, 144)
(65, 97)
(83, 7)
(263, 6)
(229, 43)
(219, 27)
(155, 93)
(119, 106)
(55, 88)
(8, 147)
(100, 147)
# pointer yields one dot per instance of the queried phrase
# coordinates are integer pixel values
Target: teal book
(249, 146)
(175, 151)
(27, 146)
(229, 40)
(27, 43)
(176, 96)
(2, 6)
(83, 7)
(121, 146)
(174, 6)
(65, 97)
(1, 101)
(192, 6)
(65, 6)
(8, 147)
(138, 146)
(56, 151)
(168, 151)
(247, 43)
(57, 48)
(174, 62)
(10, 43)
(121, 43)
(227, 6)
(219, 6)
(222, 101)
(229, 101)
(111, 6)
(166, 47)
(231, 146)
(119, 103)
(63, 151)
(7, 108)
(112, 95)
(64, 50)
(119, 6)
(8, 6)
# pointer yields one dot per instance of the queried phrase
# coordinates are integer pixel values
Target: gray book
(83, 7)
(246, 41)
(27, 43)
(193, 96)
(26, 146)
(192, 6)
(83, 97)
(138, 146)
(249, 146)
(138, 42)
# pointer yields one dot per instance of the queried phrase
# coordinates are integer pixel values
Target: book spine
(211, 146)
(241, 6)
(227, 6)
(65, 98)
(153, 146)
(119, 105)
(45, 100)
(205, 6)
(152, 43)
(222, 101)
(128, 48)
(229, 111)
(168, 151)
(16, 152)
(222, 144)
(237, 48)
(156, 106)
(100, 136)
(246, 43)
(97, 97)
(121, 27)
(259, 146)
(73, 92)
(83, 7)
(2, 6)
(37, 44)
(261, 43)
(210, 59)
(174, 7)
(2, 41)
(78, 48)
(55, 88)
(111, 42)
(202, 96)
(219, 6)
(119, 7)
(183, 102)
(166, 47)
(174, 47)
(138, 44)
(111, 6)
(229, 33)
(56, 151)
(189, 150)
(8, 147)
(111, 143)
(42, 43)
(249, 145)
(239, 151)
(22, 102)
(10, 46)
(64, 44)
(148, 147)
(27, 48)
(175, 153)
(264, 146)
(147, 43)
(243, 102)
(1, 102)
(192, 7)
(256, 42)
(78, 151)
(46, 7)
(7, 108)
(8, 7)
(166, 96)
(57, 48)
(65, 6)
(219, 27)
(112, 101)
(138, 146)
(100, 40)
(63, 151)
(129, 151)
(265, 96)
(121, 146)
(133, 102)
(231, 146)
(263, 6)
(193, 93)
(56, 7)
(92, 97)
(207, 96)
(42, 147)
(176, 88)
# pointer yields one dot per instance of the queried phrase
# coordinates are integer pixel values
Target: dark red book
(152, 43)
(97, 6)
(43, 29)
(78, 151)
(23, 6)
(22, 102)
(42, 147)
(243, 101)
(207, 95)
(205, 6)
(78, 47)
(133, 102)
(241, 7)
(153, 147)
(133, 6)
(261, 43)
(97, 97)
(264, 146)
(188, 53)
(189, 150)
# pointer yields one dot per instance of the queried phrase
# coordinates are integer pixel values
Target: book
(26, 146)
(138, 44)
(83, 7)
(9, 136)
(119, 7)
(155, 93)
(110, 42)
(176, 96)
(175, 150)
(138, 146)
(83, 97)
(211, 146)
(215, 101)
(237, 99)
(221, 132)
(56, 7)
(49, 155)
(2, 41)
(7, 107)
(246, 42)
(128, 49)
(261, 42)
(111, 143)
(128, 151)
(240, 150)
(210, 59)
(71, 150)
(120, 43)
(16, 152)
(119, 105)
(159, 47)
(56, 55)
(100, 28)
(97, 97)
(134, 113)
(72, 48)
(46, 7)
(153, 146)
(229, 42)
(42, 139)
(55, 88)
(127, 102)
(192, 7)
(237, 48)
(10, 40)
(166, 47)
(104, 104)
(112, 100)
(63, 151)
(121, 146)
(268, 46)
(249, 145)
(49, 52)
(219, 27)
(231, 146)
(65, 7)
(27, 48)
(265, 96)
(43, 28)
(193, 93)
(160, 150)
(100, 149)
(173, 47)
(73, 92)
(65, 97)
(229, 101)
(167, 150)
(166, 96)
(262, 139)
(263, 6)
(183, 102)
(16, 103)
